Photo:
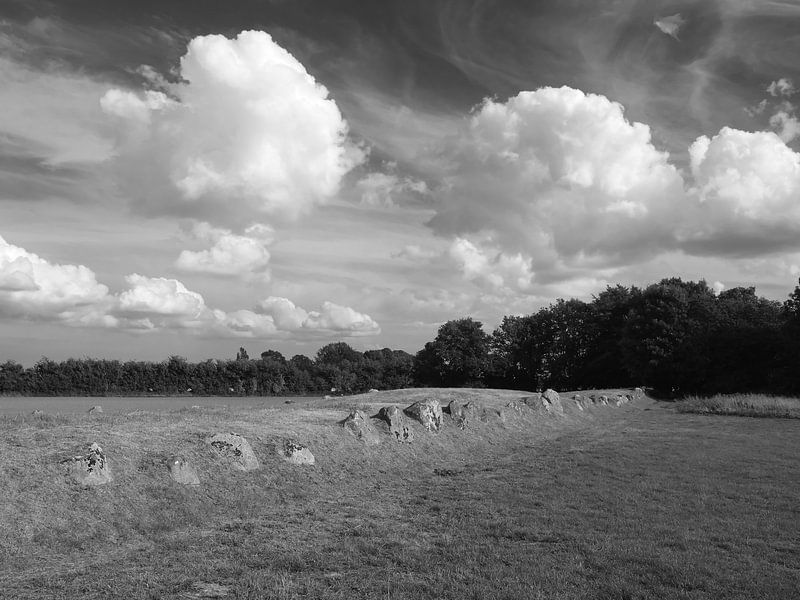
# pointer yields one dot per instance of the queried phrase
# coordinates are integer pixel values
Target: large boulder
(551, 402)
(235, 450)
(182, 471)
(360, 426)
(397, 424)
(463, 413)
(296, 453)
(428, 412)
(90, 469)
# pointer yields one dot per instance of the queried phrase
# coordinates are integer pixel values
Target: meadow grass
(743, 405)
(613, 503)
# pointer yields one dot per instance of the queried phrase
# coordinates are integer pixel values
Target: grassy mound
(609, 502)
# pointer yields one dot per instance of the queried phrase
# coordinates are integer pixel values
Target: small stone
(182, 471)
(603, 400)
(296, 453)
(360, 426)
(37, 413)
(515, 406)
(372, 391)
(397, 424)
(95, 409)
(91, 469)
(580, 401)
(428, 412)
(235, 450)
(209, 590)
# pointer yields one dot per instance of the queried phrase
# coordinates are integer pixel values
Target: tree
(273, 355)
(666, 335)
(604, 365)
(242, 354)
(337, 353)
(459, 356)
(745, 342)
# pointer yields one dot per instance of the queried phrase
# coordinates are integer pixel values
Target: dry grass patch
(743, 405)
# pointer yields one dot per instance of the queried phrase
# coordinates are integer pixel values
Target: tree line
(337, 368)
(677, 337)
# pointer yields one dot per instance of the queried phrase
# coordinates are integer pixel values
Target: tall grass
(743, 405)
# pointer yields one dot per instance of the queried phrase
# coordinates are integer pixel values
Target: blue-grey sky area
(191, 177)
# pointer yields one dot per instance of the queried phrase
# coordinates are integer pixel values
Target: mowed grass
(743, 405)
(611, 503)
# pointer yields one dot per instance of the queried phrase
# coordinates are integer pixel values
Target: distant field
(15, 405)
(743, 405)
(610, 503)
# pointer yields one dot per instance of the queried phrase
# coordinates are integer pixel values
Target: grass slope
(623, 502)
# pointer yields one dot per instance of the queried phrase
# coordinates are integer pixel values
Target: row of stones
(429, 414)
(93, 468)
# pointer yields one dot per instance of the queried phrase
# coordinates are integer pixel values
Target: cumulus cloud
(332, 318)
(559, 176)
(746, 186)
(785, 123)
(492, 269)
(33, 288)
(782, 87)
(230, 254)
(249, 131)
(555, 188)
(387, 189)
(158, 296)
(670, 25)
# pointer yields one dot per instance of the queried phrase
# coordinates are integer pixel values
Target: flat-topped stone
(235, 450)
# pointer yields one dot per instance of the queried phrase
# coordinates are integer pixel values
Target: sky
(191, 177)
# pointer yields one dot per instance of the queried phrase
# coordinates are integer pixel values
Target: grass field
(629, 502)
(743, 405)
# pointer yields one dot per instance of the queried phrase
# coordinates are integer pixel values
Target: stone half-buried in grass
(548, 401)
(464, 413)
(182, 471)
(428, 412)
(235, 450)
(90, 469)
(360, 426)
(295, 453)
(398, 427)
